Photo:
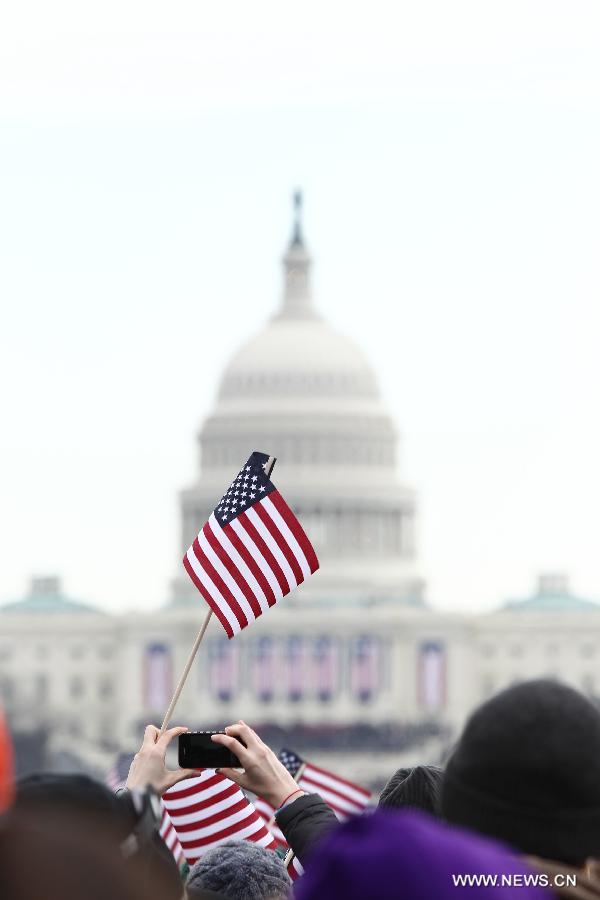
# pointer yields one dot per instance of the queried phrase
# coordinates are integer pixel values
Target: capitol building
(359, 647)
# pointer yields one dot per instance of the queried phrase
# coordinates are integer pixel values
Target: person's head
(527, 770)
(76, 804)
(416, 788)
(6, 767)
(241, 870)
(407, 854)
(41, 857)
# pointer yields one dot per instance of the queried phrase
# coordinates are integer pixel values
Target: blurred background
(361, 238)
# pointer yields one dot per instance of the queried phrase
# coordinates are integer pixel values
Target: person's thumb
(172, 778)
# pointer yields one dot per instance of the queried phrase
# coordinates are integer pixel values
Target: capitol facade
(357, 646)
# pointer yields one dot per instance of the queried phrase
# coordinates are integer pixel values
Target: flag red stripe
(219, 584)
(251, 563)
(265, 552)
(225, 832)
(210, 820)
(296, 529)
(280, 541)
(213, 605)
(233, 569)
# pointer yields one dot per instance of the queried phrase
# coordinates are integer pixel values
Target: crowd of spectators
(515, 812)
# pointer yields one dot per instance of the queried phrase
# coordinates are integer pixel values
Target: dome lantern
(297, 294)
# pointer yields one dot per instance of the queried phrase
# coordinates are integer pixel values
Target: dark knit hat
(527, 770)
(416, 788)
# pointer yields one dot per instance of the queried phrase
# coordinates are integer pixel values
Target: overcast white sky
(449, 156)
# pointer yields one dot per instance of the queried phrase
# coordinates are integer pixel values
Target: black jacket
(304, 822)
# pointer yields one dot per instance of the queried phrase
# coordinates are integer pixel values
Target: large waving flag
(251, 552)
(211, 809)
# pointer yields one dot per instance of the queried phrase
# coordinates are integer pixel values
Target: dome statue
(306, 394)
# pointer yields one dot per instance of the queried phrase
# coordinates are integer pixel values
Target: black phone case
(198, 751)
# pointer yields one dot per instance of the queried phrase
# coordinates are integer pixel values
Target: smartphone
(198, 751)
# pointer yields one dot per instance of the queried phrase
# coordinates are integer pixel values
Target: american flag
(158, 676)
(117, 778)
(345, 798)
(294, 667)
(251, 552)
(431, 682)
(294, 866)
(364, 669)
(263, 667)
(210, 809)
(325, 667)
(223, 667)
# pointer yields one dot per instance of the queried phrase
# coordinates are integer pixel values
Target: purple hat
(407, 855)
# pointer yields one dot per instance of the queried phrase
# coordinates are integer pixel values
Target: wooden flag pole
(185, 673)
(268, 469)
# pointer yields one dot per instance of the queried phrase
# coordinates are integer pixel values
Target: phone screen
(198, 751)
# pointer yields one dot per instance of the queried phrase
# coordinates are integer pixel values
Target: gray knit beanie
(241, 870)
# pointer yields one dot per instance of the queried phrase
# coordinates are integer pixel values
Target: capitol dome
(293, 358)
(306, 394)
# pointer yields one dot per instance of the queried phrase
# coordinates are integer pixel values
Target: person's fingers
(165, 739)
(232, 744)
(245, 734)
(150, 735)
(235, 775)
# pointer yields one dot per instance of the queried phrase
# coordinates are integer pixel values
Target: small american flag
(345, 798)
(117, 778)
(251, 552)
(210, 809)
(294, 866)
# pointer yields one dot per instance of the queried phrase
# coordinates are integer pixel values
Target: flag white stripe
(187, 818)
(239, 562)
(320, 778)
(204, 793)
(212, 590)
(273, 547)
(287, 534)
(227, 578)
(258, 558)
